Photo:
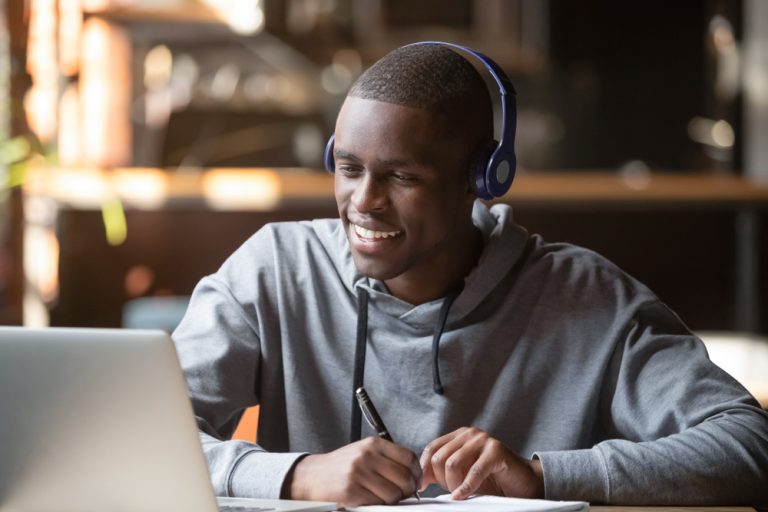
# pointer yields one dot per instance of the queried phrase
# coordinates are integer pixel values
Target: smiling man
(403, 194)
(511, 366)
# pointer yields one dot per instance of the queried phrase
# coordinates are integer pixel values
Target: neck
(441, 277)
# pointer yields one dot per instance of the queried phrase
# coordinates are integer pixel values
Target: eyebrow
(392, 162)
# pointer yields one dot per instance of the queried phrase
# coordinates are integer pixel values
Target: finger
(487, 463)
(398, 475)
(457, 465)
(378, 481)
(402, 456)
(428, 475)
(441, 456)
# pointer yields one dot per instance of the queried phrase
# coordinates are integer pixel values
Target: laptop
(99, 420)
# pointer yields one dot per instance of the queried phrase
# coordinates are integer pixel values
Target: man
(512, 366)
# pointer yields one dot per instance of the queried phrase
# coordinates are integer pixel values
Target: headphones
(495, 168)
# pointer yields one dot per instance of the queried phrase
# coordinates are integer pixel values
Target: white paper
(477, 504)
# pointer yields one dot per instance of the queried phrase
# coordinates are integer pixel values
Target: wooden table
(670, 509)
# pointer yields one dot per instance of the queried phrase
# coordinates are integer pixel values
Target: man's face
(401, 187)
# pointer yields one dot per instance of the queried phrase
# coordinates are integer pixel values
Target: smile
(373, 235)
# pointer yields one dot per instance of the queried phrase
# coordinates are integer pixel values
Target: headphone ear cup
(479, 178)
(328, 160)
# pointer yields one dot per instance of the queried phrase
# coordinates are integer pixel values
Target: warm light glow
(96, 5)
(105, 89)
(246, 16)
(41, 261)
(241, 189)
(70, 26)
(722, 134)
(243, 16)
(157, 67)
(41, 99)
(158, 73)
(39, 102)
(78, 187)
(41, 45)
(142, 188)
(713, 133)
(35, 311)
(69, 129)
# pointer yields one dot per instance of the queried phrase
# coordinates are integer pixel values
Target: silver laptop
(99, 420)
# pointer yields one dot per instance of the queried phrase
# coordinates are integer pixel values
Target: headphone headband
(495, 170)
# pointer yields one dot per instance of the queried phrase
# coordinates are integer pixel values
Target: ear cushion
(479, 176)
(328, 160)
(500, 172)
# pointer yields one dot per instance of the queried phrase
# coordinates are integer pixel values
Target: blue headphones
(495, 168)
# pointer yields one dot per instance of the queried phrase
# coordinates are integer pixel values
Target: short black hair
(428, 76)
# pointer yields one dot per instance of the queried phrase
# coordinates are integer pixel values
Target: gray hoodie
(549, 348)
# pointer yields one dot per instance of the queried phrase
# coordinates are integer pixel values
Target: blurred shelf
(655, 189)
(230, 189)
(265, 189)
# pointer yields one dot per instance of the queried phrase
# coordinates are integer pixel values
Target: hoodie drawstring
(360, 348)
(439, 328)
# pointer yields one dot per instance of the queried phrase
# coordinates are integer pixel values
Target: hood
(503, 245)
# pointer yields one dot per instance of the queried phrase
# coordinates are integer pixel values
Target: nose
(369, 195)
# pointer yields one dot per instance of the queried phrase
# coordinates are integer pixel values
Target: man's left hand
(468, 461)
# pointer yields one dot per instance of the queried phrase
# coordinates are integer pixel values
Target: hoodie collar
(504, 242)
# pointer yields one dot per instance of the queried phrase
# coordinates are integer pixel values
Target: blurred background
(142, 141)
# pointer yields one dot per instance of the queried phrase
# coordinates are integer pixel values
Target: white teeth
(367, 233)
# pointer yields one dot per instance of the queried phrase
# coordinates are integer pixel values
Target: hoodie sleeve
(220, 354)
(680, 431)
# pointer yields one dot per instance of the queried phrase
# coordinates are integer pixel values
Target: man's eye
(402, 177)
(347, 170)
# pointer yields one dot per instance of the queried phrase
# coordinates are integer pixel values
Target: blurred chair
(165, 313)
(154, 312)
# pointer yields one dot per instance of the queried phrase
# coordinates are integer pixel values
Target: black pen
(373, 418)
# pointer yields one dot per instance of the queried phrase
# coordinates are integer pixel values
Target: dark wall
(626, 79)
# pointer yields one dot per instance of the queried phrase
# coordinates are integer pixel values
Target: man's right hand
(371, 471)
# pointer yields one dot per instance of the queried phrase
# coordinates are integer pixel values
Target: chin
(375, 269)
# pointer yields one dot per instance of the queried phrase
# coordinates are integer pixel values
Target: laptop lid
(99, 419)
